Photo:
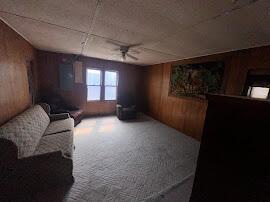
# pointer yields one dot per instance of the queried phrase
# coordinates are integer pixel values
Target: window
(257, 84)
(101, 89)
(93, 82)
(258, 92)
(110, 85)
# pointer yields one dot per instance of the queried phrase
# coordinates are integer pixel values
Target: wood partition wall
(16, 55)
(233, 162)
(187, 114)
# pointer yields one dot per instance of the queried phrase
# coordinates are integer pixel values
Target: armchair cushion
(60, 126)
(56, 142)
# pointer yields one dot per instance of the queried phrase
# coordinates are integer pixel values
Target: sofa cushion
(60, 126)
(26, 129)
(56, 142)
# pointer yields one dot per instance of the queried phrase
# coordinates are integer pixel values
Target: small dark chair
(58, 105)
(126, 108)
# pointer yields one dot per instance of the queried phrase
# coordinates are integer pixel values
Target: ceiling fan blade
(134, 51)
(114, 43)
(116, 49)
(131, 56)
(133, 45)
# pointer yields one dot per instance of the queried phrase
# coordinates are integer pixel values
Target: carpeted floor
(141, 160)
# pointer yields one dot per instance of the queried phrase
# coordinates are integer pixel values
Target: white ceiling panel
(146, 21)
(182, 44)
(187, 13)
(75, 14)
(247, 27)
(243, 28)
(166, 29)
(45, 36)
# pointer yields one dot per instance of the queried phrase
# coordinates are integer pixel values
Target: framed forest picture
(195, 80)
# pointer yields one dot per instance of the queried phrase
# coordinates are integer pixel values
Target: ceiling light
(123, 58)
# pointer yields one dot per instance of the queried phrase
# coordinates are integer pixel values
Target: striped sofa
(36, 150)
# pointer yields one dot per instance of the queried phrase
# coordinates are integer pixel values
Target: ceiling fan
(125, 49)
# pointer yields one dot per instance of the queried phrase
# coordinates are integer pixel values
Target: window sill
(91, 101)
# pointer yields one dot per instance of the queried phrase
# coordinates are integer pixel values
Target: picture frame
(196, 80)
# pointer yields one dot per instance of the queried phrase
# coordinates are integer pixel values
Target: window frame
(116, 86)
(100, 85)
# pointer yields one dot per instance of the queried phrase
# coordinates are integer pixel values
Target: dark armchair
(126, 108)
(58, 106)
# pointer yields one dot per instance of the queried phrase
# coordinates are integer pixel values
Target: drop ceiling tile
(165, 26)
(240, 29)
(187, 13)
(45, 36)
(128, 22)
(69, 13)
(244, 28)
(97, 47)
(148, 21)
(151, 57)
(181, 44)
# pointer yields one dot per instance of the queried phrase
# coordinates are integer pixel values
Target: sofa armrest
(39, 157)
(53, 166)
(8, 150)
(56, 117)
(46, 107)
(35, 173)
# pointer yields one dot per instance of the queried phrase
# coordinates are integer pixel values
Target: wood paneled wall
(15, 57)
(187, 114)
(48, 63)
(241, 62)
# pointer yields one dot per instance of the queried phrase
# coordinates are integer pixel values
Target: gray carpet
(131, 161)
(178, 192)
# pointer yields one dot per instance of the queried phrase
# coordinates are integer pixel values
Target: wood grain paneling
(187, 114)
(48, 62)
(48, 76)
(241, 62)
(15, 55)
(100, 108)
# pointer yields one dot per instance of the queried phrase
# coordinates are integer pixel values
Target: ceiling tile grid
(166, 30)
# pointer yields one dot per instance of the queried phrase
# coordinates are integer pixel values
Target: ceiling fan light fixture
(124, 50)
(123, 58)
